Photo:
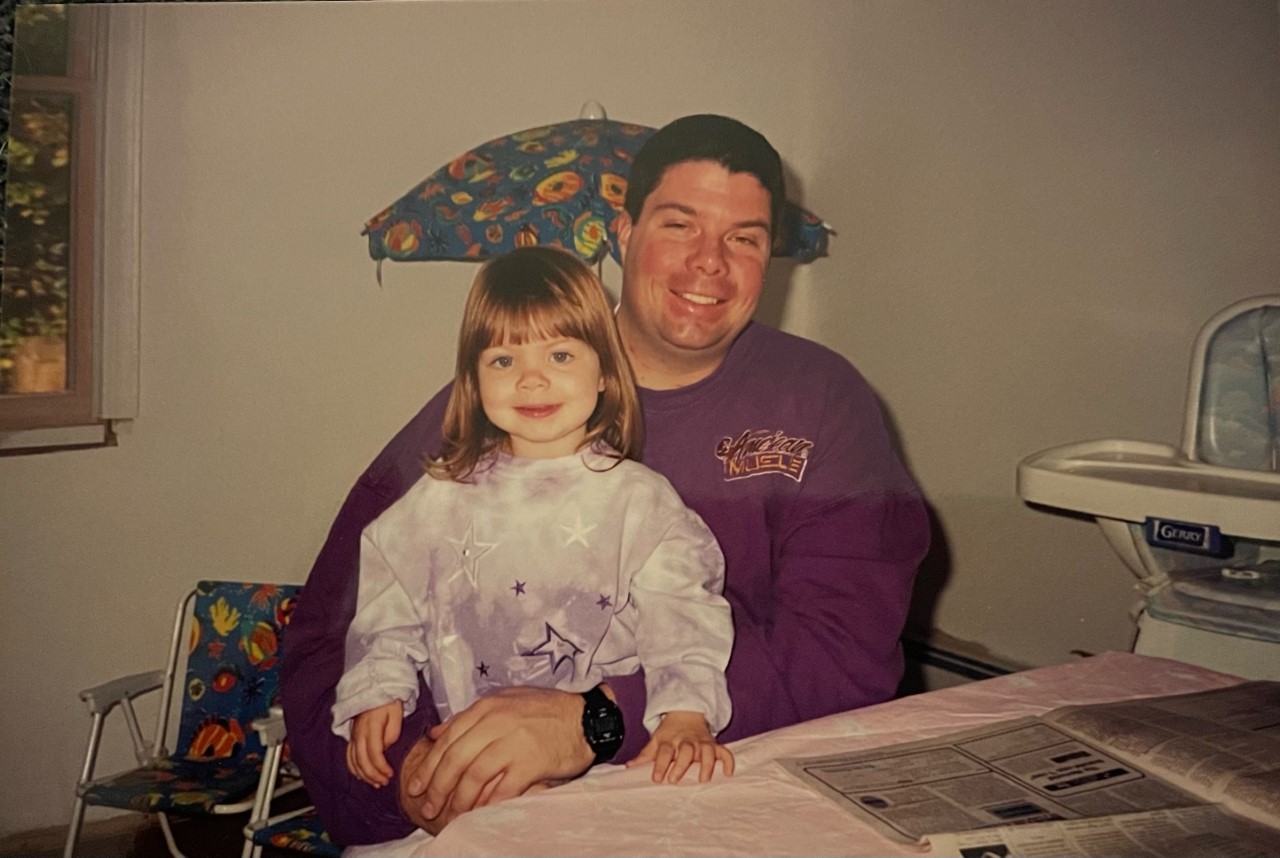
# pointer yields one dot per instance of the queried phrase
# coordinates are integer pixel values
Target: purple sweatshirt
(784, 454)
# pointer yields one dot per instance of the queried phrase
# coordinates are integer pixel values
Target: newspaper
(1190, 774)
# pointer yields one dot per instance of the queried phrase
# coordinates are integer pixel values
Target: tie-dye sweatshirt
(549, 572)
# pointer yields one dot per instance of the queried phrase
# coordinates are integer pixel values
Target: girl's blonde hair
(530, 294)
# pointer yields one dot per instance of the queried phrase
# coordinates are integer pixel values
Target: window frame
(115, 48)
(74, 406)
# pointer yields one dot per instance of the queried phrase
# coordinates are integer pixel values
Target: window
(68, 293)
(46, 297)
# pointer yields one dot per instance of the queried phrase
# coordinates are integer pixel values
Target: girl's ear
(600, 386)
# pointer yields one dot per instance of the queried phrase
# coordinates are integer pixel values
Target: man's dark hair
(707, 137)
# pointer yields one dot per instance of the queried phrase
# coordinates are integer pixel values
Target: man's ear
(624, 235)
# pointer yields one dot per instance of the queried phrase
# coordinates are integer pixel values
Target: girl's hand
(372, 732)
(682, 738)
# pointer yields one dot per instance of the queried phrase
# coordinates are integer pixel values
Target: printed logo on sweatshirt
(760, 451)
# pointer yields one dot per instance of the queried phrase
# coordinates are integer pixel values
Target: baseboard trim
(951, 661)
(53, 838)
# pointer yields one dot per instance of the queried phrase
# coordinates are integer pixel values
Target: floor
(197, 837)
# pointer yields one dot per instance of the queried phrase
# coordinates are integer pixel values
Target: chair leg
(73, 832)
(168, 836)
(86, 774)
(262, 799)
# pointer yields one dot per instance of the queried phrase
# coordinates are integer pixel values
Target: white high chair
(1199, 525)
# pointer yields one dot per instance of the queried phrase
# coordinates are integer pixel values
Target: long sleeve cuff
(687, 687)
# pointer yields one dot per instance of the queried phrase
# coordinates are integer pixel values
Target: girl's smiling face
(541, 393)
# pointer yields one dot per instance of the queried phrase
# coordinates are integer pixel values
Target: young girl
(535, 551)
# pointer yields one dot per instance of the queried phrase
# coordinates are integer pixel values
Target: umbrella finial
(592, 110)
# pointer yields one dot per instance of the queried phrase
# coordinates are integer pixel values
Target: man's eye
(676, 225)
(561, 357)
(747, 240)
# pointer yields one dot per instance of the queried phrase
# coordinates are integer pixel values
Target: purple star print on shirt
(556, 648)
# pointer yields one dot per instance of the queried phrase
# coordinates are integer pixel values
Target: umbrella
(560, 185)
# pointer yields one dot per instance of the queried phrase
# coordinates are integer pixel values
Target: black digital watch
(602, 725)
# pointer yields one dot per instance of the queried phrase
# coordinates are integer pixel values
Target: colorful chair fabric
(230, 635)
(300, 832)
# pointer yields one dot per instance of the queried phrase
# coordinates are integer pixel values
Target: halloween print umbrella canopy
(560, 185)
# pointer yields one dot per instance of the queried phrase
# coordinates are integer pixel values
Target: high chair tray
(1131, 480)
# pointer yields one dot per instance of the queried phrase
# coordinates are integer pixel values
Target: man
(777, 442)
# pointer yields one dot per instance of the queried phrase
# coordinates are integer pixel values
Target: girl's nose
(532, 378)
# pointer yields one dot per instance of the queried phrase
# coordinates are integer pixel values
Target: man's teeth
(699, 299)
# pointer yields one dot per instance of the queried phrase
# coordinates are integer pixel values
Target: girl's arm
(683, 626)
(386, 646)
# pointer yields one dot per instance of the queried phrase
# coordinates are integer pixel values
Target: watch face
(605, 726)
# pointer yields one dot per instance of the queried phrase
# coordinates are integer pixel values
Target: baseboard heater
(952, 662)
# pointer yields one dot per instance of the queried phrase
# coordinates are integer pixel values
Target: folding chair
(230, 633)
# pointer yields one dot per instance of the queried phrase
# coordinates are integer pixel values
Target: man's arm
(832, 641)
(353, 812)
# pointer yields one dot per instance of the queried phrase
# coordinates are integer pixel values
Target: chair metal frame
(271, 730)
(101, 699)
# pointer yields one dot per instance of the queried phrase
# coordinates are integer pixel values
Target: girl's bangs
(530, 322)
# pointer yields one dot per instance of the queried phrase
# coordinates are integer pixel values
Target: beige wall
(1037, 203)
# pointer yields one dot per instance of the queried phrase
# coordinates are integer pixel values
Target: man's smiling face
(693, 267)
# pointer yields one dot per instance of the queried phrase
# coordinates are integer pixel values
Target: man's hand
(498, 748)
(412, 805)
(682, 738)
(372, 732)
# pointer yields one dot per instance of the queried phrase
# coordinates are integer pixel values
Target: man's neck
(654, 377)
(657, 369)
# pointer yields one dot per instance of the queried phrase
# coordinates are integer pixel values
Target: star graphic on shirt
(483, 668)
(519, 587)
(556, 648)
(604, 601)
(577, 531)
(470, 551)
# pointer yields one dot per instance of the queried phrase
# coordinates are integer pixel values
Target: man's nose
(709, 256)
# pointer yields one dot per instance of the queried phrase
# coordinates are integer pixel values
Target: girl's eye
(501, 361)
(561, 357)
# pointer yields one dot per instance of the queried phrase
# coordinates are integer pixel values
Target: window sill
(29, 441)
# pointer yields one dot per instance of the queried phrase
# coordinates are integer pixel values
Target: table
(762, 810)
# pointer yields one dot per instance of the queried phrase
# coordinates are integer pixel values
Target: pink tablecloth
(762, 810)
